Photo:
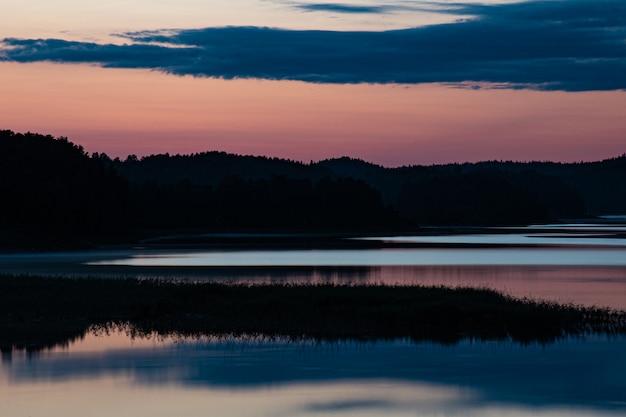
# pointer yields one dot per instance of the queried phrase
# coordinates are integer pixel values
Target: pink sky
(120, 112)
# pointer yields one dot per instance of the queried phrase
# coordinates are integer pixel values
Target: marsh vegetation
(36, 312)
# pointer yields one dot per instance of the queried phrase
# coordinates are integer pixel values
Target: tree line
(54, 192)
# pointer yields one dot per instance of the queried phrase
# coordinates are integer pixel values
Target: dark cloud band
(572, 45)
(346, 8)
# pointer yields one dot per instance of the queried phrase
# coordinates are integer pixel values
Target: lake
(114, 373)
(569, 263)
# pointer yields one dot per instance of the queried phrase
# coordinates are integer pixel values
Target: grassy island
(36, 312)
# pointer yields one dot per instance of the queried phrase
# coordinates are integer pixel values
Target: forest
(55, 194)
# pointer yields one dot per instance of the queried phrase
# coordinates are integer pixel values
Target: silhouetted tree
(50, 187)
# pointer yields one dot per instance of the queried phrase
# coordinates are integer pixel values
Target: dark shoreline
(37, 312)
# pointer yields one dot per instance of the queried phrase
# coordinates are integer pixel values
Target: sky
(391, 82)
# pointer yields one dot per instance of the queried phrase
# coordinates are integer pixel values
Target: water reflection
(590, 285)
(373, 257)
(118, 375)
(593, 237)
(234, 377)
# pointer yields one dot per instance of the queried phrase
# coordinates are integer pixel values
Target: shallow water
(121, 376)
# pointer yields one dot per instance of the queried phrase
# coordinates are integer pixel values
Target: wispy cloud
(347, 8)
(572, 45)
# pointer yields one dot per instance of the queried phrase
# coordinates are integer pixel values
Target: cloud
(345, 8)
(571, 45)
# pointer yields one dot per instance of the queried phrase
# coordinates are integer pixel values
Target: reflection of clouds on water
(385, 397)
(585, 376)
(494, 255)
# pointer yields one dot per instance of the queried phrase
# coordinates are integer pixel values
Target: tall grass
(36, 311)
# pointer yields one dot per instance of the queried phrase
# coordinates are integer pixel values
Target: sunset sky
(392, 82)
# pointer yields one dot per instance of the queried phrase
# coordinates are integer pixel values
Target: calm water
(118, 376)
(578, 263)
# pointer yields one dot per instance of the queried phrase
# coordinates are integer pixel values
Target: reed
(36, 311)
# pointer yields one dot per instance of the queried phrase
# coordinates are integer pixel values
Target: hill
(55, 192)
(483, 193)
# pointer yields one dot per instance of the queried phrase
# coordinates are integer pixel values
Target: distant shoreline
(274, 238)
(63, 198)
